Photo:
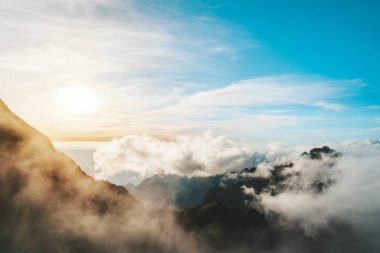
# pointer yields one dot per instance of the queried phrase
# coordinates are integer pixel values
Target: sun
(79, 100)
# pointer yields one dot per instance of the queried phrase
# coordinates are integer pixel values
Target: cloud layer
(348, 195)
(332, 197)
(133, 158)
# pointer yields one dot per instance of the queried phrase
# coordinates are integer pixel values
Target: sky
(257, 71)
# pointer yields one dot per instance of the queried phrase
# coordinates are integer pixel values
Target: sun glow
(77, 100)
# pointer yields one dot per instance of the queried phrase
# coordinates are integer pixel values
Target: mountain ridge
(47, 204)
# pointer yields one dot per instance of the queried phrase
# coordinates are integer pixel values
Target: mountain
(318, 153)
(229, 191)
(173, 190)
(184, 192)
(281, 176)
(231, 217)
(47, 204)
(227, 229)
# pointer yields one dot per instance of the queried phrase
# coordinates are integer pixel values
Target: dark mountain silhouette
(318, 153)
(179, 191)
(227, 228)
(229, 190)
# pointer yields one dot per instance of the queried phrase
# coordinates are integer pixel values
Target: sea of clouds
(349, 208)
(136, 157)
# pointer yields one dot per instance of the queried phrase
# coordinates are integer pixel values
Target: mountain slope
(179, 191)
(47, 204)
(228, 229)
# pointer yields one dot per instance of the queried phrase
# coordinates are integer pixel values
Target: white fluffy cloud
(352, 198)
(133, 158)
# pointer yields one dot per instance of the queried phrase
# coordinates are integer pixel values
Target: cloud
(273, 90)
(150, 68)
(133, 158)
(48, 204)
(350, 199)
(374, 107)
(330, 106)
(131, 55)
(258, 104)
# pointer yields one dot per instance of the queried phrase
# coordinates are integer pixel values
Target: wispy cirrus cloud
(276, 90)
(374, 107)
(145, 68)
(262, 103)
(111, 46)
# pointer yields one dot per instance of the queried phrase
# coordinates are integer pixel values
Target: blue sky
(260, 71)
(329, 38)
(335, 39)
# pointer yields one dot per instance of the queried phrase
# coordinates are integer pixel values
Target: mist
(47, 204)
(346, 206)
